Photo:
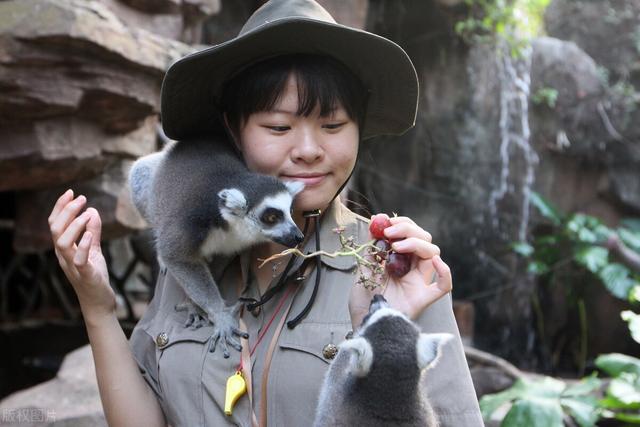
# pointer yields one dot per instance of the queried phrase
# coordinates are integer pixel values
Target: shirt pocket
(298, 371)
(315, 339)
(180, 354)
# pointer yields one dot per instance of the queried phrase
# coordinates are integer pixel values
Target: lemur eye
(271, 216)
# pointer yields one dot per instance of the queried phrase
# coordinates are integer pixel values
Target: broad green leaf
(615, 364)
(616, 278)
(634, 323)
(583, 409)
(630, 238)
(582, 388)
(628, 417)
(490, 402)
(534, 412)
(592, 257)
(625, 391)
(545, 208)
(602, 232)
(522, 248)
(634, 295)
(547, 388)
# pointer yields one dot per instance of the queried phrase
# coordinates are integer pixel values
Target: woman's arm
(126, 398)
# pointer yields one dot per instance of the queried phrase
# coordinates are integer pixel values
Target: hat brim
(192, 84)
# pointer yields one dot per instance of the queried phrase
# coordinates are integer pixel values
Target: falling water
(515, 82)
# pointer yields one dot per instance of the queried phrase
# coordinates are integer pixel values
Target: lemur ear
(294, 187)
(429, 348)
(233, 201)
(361, 357)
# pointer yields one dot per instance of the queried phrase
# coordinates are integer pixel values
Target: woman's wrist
(95, 318)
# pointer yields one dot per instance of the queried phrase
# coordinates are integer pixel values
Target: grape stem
(354, 251)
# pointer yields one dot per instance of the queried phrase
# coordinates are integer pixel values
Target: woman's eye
(279, 128)
(333, 126)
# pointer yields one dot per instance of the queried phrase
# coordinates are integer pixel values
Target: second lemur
(201, 200)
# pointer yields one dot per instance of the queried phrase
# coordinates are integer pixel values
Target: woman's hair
(322, 81)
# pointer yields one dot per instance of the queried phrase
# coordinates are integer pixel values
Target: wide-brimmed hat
(192, 85)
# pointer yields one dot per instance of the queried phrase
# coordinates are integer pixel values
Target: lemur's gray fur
(375, 379)
(201, 200)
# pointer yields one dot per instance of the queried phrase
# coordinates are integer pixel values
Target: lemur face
(272, 217)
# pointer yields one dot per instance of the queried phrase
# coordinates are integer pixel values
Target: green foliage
(515, 21)
(541, 403)
(581, 238)
(546, 95)
(622, 399)
(634, 323)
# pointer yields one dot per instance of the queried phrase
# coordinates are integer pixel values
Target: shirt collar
(335, 220)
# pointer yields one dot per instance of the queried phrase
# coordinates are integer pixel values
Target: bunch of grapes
(395, 264)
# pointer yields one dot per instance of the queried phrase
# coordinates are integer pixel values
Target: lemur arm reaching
(198, 284)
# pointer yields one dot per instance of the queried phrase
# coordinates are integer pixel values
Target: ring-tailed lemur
(375, 379)
(201, 200)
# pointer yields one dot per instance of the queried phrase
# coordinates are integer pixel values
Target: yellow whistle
(236, 387)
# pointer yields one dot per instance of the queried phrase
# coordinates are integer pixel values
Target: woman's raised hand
(414, 291)
(83, 263)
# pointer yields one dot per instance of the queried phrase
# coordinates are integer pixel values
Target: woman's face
(318, 151)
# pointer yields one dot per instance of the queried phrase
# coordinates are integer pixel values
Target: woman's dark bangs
(321, 82)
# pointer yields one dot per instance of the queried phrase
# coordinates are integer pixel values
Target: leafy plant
(582, 239)
(622, 400)
(515, 21)
(547, 95)
(543, 403)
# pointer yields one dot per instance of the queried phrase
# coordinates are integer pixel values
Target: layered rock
(80, 101)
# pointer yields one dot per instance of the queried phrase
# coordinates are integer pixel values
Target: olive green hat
(192, 85)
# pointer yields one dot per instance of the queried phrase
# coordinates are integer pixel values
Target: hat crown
(283, 9)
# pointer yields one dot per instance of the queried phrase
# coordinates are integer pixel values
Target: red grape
(398, 264)
(377, 226)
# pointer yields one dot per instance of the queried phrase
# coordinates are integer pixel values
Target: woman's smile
(308, 179)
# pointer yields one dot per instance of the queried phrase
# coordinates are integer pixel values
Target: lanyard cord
(270, 293)
(295, 321)
(266, 328)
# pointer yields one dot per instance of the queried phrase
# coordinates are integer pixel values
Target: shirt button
(162, 339)
(329, 351)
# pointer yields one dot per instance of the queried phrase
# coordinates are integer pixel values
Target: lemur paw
(196, 317)
(225, 331)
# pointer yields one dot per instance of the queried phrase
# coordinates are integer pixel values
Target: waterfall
(515, 83)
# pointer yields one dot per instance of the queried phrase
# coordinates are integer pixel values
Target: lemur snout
(290, 239)
(377, 302)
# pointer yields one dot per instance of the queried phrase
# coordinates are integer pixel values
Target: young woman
(296, 93)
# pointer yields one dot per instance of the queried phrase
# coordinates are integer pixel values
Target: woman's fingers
(82, 253)
(66, 241)
(60, 203)
(66, 215)
(94, 226)
(403, 229)
(421, 248)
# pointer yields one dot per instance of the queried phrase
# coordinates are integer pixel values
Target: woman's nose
(307, 148)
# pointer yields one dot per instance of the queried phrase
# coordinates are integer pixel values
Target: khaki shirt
(190, 381)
